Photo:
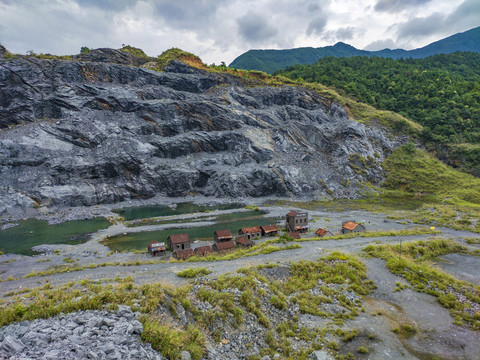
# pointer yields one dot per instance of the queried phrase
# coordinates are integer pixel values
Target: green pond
(232, 222)
(142, 212)
(20, 239)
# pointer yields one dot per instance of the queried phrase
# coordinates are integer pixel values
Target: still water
(143, 212)
(232, 222)
(28, 233)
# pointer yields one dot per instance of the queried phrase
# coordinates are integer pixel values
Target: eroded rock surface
(89, 131)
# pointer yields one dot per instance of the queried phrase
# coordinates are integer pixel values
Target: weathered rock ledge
(87, 131)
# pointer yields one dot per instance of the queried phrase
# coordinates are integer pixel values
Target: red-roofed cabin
(222, 235)
(203, 250)
(223, 246)
(183, 254)
(323, 232)
(295, 235)
(178, 242)
(251, 232)
(296, 221)
(350, 226)
(270, 230)
(242, 241)
(156, 248)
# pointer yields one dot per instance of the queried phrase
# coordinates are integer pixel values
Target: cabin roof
(321, 232)
(350, 225)
(252, 229)
(203, 250)
(269, 228)
(183, 254)
(242, 240)
(223, 234)
(295, 235)
(226, 245)
(179, 238)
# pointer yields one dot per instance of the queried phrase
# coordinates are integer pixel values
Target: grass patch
(472, 241)
(194, 272)
(413, 170)
(414, 263)
(408, 232)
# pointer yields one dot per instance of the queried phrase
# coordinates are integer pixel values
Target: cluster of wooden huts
(296, 223)
(224, 241)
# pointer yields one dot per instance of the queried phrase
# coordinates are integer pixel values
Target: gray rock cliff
(88, 131)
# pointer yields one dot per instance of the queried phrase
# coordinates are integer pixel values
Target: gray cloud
(380, 45)
(462, 18)
(108, 5)
(345, 33)
(397, 5)
(254, 28)
(316, 25)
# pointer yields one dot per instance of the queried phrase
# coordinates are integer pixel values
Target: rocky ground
(436, 335)
(81, 335)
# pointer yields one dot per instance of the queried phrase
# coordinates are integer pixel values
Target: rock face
(81, 335)
(91, 130)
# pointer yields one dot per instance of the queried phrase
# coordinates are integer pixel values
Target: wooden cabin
(222, 235)
(242, 241)
(270, 230)
(223, 246)
(156, 248)
(183, 254)
(295, 235)
(323, 232)
(296, 221)
(178, 242)
(251, 232)
(203, 250)
(350, 226)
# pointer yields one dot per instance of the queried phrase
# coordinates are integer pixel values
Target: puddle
(144, 212)
(21, 238)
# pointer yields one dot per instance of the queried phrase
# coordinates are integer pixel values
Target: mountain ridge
(270, 60)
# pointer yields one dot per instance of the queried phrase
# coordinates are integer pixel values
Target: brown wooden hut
(223, 246)
(222, 235)
(156, 248)
(178, 242)
(350, 226)
(242, 241)
(203, 250)
(295, 235)
(323, 232)
(251, 232)
(183, 254)
(270, 230)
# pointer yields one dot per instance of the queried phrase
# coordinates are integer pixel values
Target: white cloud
(220, 31)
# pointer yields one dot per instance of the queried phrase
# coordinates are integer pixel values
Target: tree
(84, 50)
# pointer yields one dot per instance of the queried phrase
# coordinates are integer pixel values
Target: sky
(219, 30)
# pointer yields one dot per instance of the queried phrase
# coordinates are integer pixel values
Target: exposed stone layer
(82, 133)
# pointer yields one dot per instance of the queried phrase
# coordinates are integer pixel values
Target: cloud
(380, 45)
(464, 17)
(397, 5)
(421, 26)
(345, 33)
(254, 28)
(316, 25)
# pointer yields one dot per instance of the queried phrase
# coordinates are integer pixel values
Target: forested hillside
(269, 60)
(441, 92)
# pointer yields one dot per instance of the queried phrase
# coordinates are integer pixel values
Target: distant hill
(271, 60)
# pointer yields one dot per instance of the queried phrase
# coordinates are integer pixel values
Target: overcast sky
(222, 30)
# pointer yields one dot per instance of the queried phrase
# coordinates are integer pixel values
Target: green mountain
(272, 60)
(440, 92)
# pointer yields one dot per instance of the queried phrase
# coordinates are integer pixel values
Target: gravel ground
(436, 335)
